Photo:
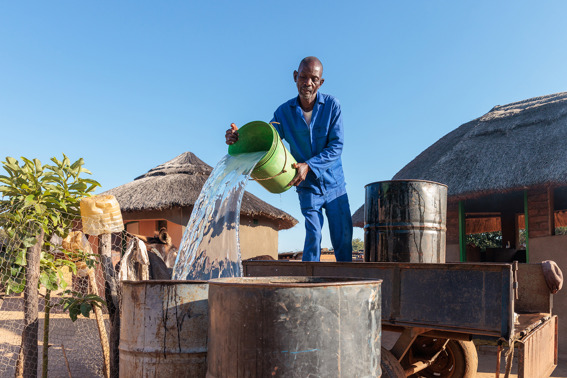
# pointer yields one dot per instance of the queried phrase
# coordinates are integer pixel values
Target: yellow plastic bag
(101, 215)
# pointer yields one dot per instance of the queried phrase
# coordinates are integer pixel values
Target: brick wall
(540, 212)
(453, 222)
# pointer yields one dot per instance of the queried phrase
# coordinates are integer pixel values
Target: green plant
(80, 304)
(486, 240)
(42, 200)
(3, 236)
(34, 197)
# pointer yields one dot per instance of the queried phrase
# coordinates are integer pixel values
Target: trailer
(439, 308)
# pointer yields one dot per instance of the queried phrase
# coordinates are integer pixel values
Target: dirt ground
(487, 366)
(77, 342)
(81, 340)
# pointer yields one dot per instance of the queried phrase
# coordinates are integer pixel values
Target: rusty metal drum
(405, 221)
(294, 327)
(164, 329)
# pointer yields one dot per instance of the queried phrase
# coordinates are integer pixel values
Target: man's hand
(302, 169)
(231, 135)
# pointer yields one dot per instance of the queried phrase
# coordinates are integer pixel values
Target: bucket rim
(292, 281)
(407, 180)
(268, 153)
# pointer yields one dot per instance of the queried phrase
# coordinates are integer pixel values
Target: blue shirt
(318, 144)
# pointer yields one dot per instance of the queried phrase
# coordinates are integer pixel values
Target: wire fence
(71, 277)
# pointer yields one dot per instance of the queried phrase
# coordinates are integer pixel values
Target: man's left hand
(302, 170)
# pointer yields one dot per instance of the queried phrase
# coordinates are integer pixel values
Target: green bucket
(273, 171)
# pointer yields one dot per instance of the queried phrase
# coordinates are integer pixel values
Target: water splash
(210, 247)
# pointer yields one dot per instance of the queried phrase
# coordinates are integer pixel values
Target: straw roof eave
(511, 148)
(158, 192)
(177, 183)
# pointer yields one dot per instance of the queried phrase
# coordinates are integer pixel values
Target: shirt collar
(320, 99)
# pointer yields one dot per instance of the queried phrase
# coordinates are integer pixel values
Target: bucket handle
(285, 161)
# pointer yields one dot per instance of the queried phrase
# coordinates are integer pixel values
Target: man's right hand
(301, 174)
(231, 134)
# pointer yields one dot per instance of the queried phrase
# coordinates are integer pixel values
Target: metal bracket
(515, 276)
(405, 341)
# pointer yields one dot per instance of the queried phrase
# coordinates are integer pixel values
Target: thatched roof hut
(514, 146)
(510, 148)
(174, 187)
(505, 171)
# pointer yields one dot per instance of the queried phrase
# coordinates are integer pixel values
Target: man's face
(308, 80)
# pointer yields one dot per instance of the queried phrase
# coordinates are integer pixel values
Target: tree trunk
(31, 323)
(112, 301)
(2, 294)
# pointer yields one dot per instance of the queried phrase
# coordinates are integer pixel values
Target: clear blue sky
(129, 85)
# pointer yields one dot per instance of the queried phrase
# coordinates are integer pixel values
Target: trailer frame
(505, 304)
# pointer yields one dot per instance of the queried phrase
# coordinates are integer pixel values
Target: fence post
(29, 352)
(112, 301)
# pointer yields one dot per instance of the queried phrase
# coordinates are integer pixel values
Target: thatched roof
(177, 183)
(512, 147)
(358, 217)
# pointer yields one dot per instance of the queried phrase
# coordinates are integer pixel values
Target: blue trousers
(340, 225)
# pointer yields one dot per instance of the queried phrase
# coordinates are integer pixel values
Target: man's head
(308, 78)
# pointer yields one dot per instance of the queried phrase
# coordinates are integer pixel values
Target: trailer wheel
(458, 360)
(391, 368)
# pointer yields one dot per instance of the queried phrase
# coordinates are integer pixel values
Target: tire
(458, 360)
(391, 368)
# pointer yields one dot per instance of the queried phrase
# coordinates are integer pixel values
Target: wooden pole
(526, 226)
(29, 351)
(462, 232)
(101, 327)
(46, 311)
(2, 294)
(66, 360)
(112, 300)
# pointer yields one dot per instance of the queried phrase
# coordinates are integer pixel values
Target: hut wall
(540, 212)
(147, 227)
(178, 215)
(132, 227)
(452, 248)
(553, 248)
(258, 237)
(453, 223)
(176, 232)
(453, 253)
(255, 239)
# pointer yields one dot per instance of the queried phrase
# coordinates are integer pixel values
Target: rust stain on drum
(167, 331)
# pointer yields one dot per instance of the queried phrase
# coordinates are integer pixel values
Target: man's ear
(295, 73)
(321, 81)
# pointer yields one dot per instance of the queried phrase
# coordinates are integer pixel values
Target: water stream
(210, 246)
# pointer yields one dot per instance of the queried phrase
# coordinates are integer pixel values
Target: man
(312, 125)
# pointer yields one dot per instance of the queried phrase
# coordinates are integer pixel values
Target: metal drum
(294, 327)
(164, 329)
(405, 221)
